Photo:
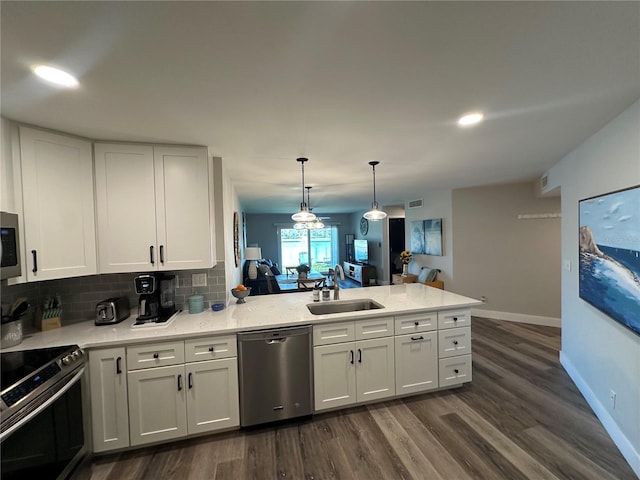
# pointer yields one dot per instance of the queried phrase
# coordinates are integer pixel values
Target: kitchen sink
(341, 306)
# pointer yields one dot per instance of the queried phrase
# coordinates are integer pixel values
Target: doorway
(396, 244)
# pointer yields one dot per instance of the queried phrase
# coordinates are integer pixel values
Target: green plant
(303, 268)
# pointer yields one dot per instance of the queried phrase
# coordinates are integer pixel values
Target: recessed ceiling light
(55, 75)
(470, 119)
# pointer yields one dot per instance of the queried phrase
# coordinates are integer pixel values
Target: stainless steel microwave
(10, 253)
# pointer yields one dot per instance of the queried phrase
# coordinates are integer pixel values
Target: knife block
(50, 323)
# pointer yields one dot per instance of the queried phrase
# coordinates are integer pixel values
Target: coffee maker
(157, 301)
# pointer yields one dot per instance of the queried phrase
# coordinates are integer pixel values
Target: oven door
(48, 442)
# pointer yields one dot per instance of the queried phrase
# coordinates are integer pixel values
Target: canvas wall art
(609, 255)
(417, 237)
(433, 236)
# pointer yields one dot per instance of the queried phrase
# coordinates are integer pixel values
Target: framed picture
(433, 236)
(236, 239)
(609, 254)
(417, 237)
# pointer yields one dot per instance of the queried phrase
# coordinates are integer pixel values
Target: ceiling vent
(416, 203)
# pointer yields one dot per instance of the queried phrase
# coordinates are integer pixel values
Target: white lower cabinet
(157, 404)
(353, 372)
(212, 395)
(416, 362)
(108, 392)
(454, 347)
(159, 397)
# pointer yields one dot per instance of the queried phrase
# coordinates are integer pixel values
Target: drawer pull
(35, 261)
(455, 370)
(190, 380)
(455, 342)
(118, 366)
(455, 319)
(416, 323)
(211, 349)
(156, 355)
(179, 382)
(151, 260)
(359, 356)
(417, 338)
(162, 254)
(351, 356)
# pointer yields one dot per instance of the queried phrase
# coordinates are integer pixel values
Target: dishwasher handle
(276, 340)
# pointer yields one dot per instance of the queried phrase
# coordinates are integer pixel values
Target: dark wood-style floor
(520, 418)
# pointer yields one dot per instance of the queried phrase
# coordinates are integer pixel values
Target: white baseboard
(516, 317)
(609, 424)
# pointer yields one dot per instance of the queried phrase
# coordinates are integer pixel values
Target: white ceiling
(341, 83)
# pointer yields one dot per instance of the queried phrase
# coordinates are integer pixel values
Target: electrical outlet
(612, 398)
(566, 264)
(199, 279)
(483, 299)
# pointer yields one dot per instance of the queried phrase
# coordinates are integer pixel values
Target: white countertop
(259, 312)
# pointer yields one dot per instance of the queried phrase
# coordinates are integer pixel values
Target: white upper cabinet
(183, 208)
(58, 204)
(154, 208)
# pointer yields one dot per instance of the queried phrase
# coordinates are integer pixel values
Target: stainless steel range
(41, 412)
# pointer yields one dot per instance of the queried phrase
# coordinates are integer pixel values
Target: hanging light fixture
(374, 214)
(314, 224)
(304, 215)
(310, 225)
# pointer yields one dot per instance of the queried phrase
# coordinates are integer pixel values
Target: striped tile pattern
(521, 418)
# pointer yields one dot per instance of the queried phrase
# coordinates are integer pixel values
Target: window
(317, 247)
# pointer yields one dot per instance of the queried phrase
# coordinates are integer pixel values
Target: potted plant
(303, 269)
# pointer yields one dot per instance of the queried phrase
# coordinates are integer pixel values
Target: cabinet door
(416, 362)
(183, 208)
(125, 200)
(375, 369)
(334, 375)
(59, 219)
(212, 395)
(108, 390)
(157, 404)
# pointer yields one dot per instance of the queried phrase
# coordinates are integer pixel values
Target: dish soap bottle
(325, 293)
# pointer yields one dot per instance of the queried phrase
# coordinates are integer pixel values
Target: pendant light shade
(304, 215)
(374, 214)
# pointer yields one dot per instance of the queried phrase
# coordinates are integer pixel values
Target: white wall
(514, 263)
(226, 203)
(7, 135)
(436, 204)
(599, 353)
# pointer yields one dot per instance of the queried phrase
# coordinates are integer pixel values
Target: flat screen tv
(361, 251)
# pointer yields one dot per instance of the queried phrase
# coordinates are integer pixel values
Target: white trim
(517, 317)
(621, 441)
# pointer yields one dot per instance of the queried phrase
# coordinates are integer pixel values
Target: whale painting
(609, 255)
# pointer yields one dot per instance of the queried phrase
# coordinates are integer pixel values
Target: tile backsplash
(79, 295)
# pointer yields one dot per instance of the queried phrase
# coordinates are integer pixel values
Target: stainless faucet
(336, 282)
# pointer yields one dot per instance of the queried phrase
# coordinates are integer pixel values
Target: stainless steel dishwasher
(276, 369)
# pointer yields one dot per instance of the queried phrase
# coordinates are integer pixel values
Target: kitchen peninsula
(419, 341)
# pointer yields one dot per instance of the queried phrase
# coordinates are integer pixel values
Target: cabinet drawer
(454, 318)
(155, 355)
(334, 333)
(210, 348)
(454, 341)
(417, 322)
(374, 328)
(455, 370)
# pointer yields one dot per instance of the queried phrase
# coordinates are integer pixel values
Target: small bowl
(240, 294)
(216, 307)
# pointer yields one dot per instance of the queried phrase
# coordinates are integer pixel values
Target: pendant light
(313, 224)
(304, 215)
(374, 214)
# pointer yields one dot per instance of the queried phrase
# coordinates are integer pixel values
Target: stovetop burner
(17, 365)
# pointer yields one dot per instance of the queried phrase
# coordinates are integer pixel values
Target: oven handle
(48, 402)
